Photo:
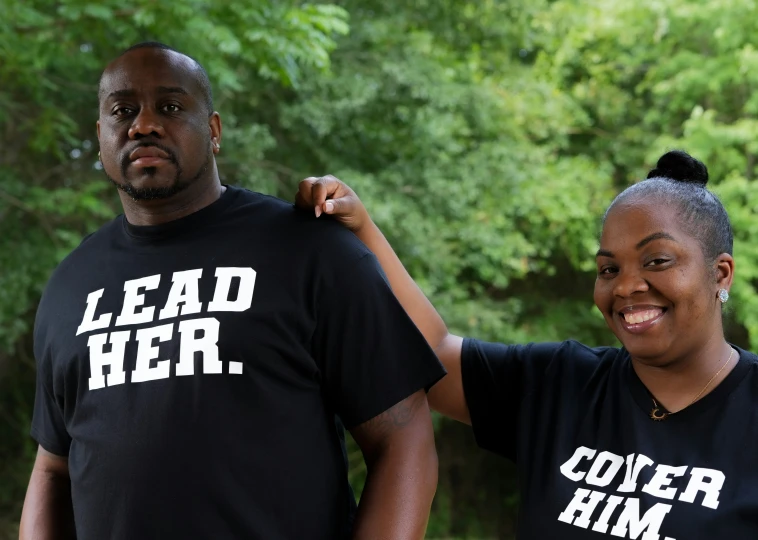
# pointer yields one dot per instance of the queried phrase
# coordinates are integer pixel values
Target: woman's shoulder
(747, 366)
(748, 357)
(575, 357)
(570, 350)
(561, 358)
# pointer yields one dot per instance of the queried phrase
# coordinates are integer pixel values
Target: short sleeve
(372, 355)
(497, 378)
(48, 426)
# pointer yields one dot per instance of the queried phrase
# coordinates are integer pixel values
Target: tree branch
(18, 203)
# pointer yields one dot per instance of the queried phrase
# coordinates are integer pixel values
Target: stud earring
(723, 295)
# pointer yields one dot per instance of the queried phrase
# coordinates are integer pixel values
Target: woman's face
(654, 287)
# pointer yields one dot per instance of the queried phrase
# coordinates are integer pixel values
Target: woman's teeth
(642, 316)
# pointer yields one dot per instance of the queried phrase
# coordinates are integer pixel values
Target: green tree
(652, 76)
(434, 114)
(487, 138)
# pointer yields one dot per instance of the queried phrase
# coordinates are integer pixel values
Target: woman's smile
(638, 319)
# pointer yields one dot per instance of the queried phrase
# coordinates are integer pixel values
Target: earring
(98, 156)
(723, 295)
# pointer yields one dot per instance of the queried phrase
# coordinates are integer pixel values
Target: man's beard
(152, 194)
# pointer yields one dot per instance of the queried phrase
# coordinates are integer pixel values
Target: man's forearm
(397, 497)
(47, 513)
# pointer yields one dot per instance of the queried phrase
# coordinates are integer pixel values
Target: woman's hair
(679, 179)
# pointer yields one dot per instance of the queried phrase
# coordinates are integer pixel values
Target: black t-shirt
(196, 373)
(593, 465)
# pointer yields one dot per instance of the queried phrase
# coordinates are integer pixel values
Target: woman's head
(665, 252)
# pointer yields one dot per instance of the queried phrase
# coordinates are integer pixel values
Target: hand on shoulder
(330, 195)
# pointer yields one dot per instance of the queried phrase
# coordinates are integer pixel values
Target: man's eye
(171, 108)
(607, 270)
(121, 111)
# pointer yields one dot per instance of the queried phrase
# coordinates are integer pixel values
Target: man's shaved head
(157, 130)
(203, 81)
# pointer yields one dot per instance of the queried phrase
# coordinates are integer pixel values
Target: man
(194, 354)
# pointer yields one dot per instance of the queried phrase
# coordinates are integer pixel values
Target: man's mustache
(125, 161)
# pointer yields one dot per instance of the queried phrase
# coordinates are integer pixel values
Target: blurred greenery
(486, 137)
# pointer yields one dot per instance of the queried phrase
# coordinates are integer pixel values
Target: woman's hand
(330, 195)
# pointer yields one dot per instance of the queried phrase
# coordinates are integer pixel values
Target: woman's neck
(676, 384)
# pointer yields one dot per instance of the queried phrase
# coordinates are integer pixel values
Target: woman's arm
(331, 196)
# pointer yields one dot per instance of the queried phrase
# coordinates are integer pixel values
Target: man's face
(156, 134)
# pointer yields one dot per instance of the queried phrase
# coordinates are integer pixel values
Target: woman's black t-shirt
(594, 465)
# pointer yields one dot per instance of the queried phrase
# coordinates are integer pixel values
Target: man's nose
(146, 123)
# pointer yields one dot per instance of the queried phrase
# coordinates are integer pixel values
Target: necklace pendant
(658, 415)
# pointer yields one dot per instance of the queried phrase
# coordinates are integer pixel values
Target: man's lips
(148, 156)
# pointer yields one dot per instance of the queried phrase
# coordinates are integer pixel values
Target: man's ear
(214, 124)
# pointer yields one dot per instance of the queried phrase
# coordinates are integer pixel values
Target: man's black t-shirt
(197, 373)
(594, 465)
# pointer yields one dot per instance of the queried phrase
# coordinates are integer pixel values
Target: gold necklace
(658, 413)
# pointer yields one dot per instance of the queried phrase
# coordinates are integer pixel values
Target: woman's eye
(606, 270)
(656, 262)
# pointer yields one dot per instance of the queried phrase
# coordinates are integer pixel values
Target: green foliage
(486, 138)
(457, 145)
(660, 75)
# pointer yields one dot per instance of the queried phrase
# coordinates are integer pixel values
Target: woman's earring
(723, 295)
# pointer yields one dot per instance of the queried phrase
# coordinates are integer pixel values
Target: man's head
(157, 129)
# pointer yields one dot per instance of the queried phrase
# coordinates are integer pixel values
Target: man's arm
(48, 513)
(398, 447)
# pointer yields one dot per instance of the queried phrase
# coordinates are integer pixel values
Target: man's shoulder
(80, 259)
(299, 229)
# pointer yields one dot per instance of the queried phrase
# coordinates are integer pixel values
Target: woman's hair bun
(682, 167)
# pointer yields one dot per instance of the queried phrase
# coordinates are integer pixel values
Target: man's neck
(184, 203)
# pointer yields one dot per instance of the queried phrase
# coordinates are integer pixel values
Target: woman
(658, 439)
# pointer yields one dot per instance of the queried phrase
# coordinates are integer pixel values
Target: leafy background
(486, 138)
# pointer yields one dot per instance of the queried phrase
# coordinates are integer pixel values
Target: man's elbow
(400, 443)
(48, 512)
(428, 468)
(414, 457)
